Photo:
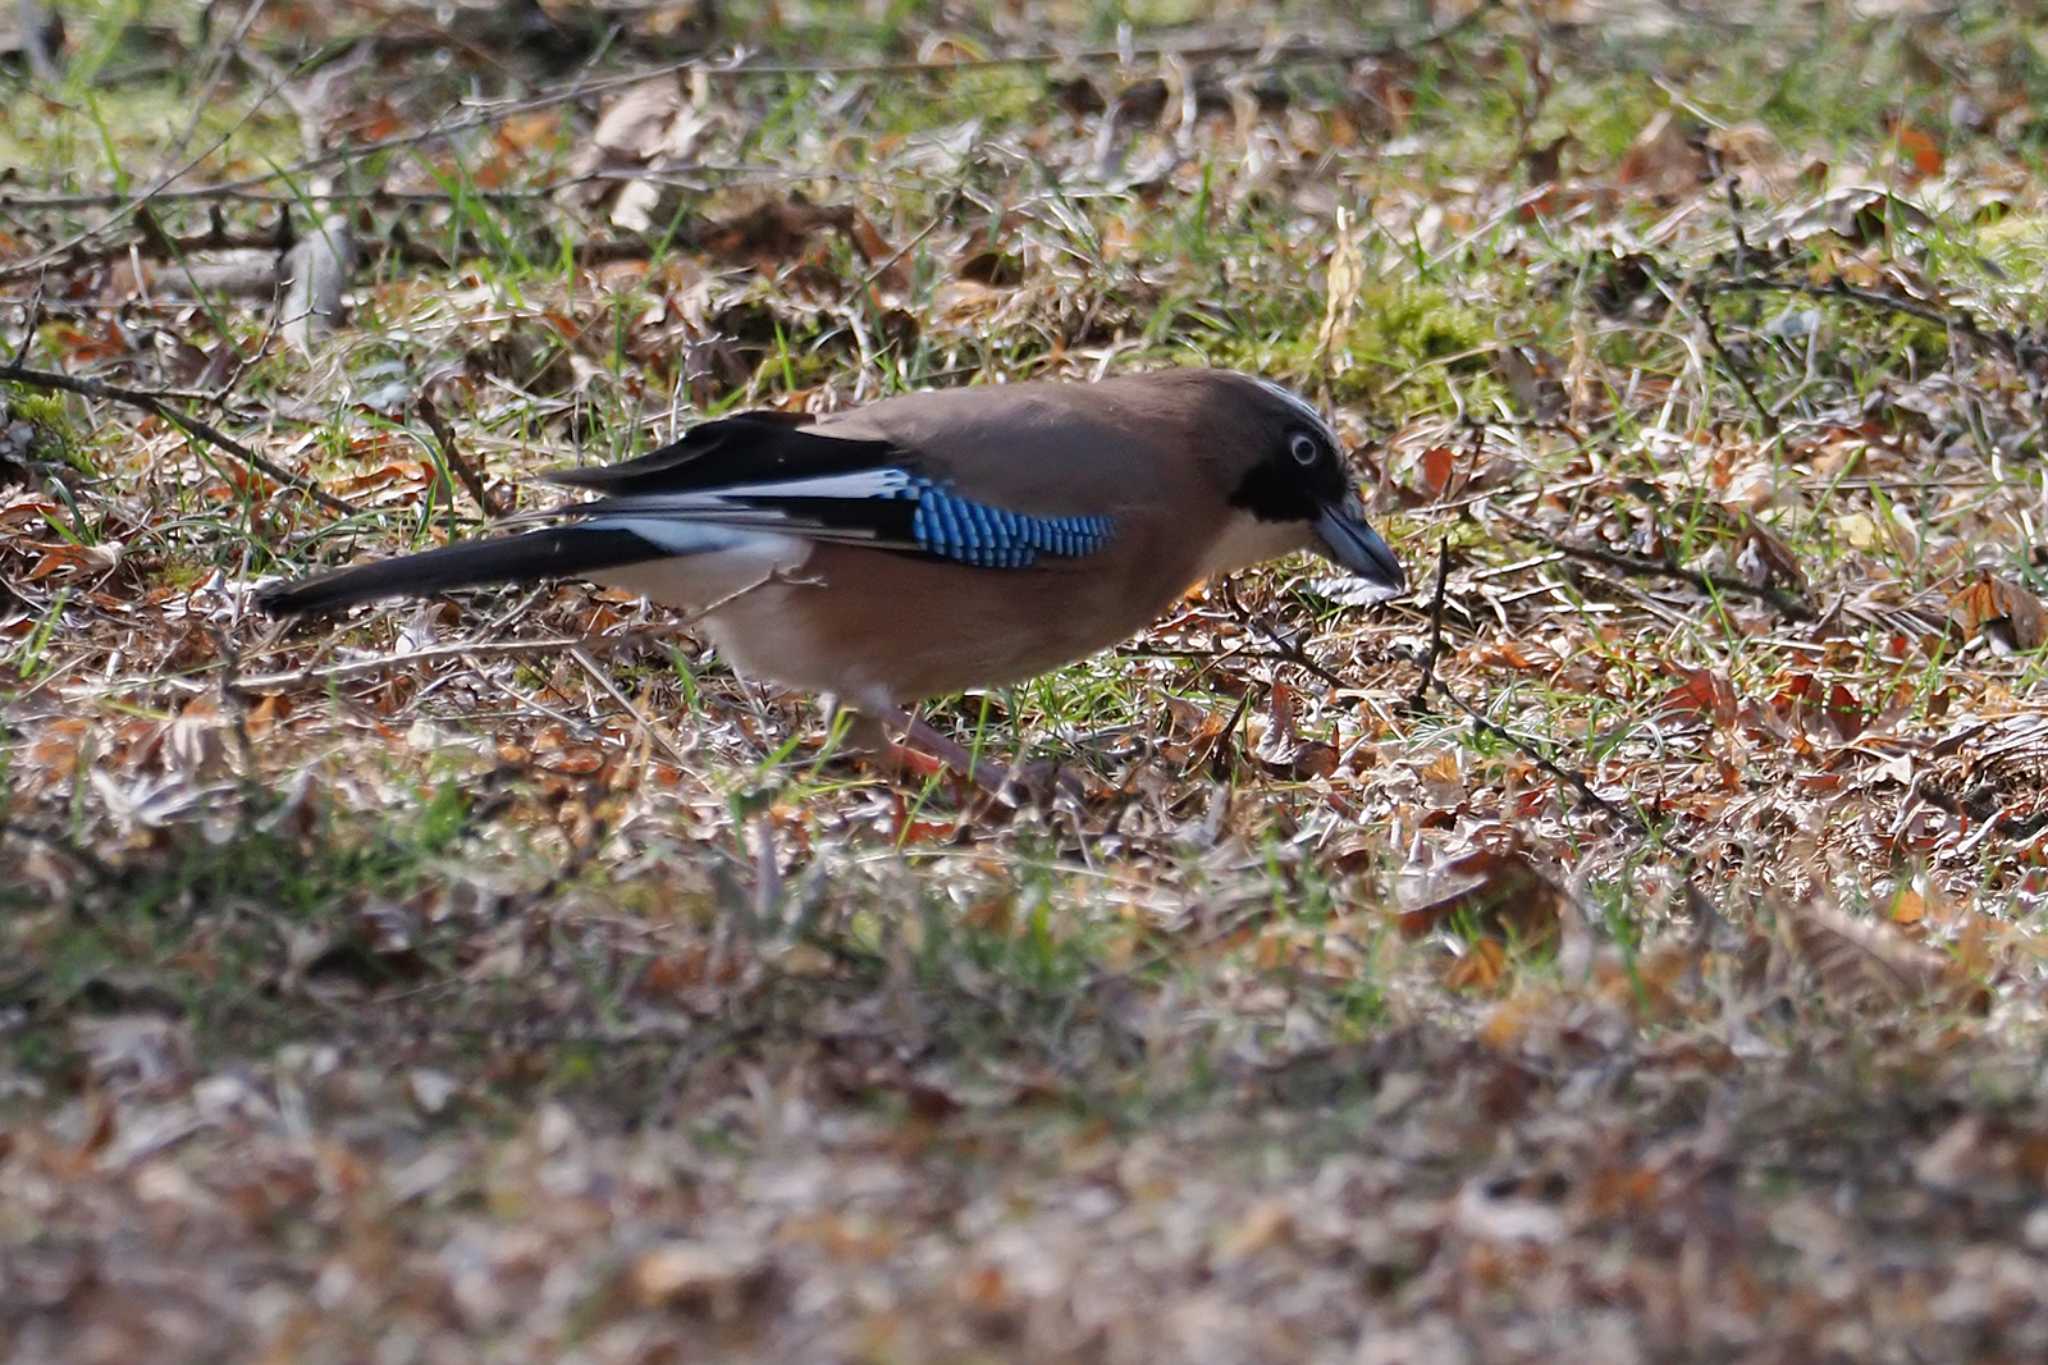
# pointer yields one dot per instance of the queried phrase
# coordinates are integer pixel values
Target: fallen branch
(1994, 820)
(1786, 604)
(192, 426)
(240, 192)
(1950, 317)
(154, 244)
(128, 205)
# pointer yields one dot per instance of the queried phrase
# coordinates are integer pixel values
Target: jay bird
(937, 541)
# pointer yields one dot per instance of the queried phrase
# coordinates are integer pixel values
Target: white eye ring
(1303, 448)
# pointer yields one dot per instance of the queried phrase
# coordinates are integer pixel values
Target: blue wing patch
(952, 527)
(886, 506)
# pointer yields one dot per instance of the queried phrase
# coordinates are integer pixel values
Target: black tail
(556, 552)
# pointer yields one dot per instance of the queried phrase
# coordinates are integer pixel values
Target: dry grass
(553, 994)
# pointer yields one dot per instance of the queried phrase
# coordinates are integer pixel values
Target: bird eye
(1303, 448)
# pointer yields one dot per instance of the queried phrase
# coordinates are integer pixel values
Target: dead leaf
(1917, 147)
(1502, 893)
(1844, 712)
(66, 558)
(648, 128)
(1267, 1224)
(1343, 281)
(1703, 693)
(1282, 749)
(1858, 214)
(1437, 464)
(779, 232)
(1536, 378)
(2002, 611)
(1980, 1154)
(1666, 160)
(1869, 964)
(716, 1280)
(1482, 967)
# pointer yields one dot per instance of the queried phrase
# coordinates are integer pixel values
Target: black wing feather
(557, 552)
(753, 447)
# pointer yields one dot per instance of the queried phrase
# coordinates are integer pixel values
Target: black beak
(1348, 540)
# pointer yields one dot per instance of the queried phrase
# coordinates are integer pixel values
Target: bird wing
(761, 472)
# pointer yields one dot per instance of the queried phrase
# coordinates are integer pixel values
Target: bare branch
(192, 426)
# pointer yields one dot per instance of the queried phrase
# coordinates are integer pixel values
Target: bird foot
(923, 752)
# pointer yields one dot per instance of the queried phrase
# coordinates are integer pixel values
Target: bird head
(1293, 478)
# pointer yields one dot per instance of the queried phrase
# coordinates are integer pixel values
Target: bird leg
(922, 751)
(921, 740)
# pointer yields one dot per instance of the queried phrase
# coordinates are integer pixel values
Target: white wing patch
(868, 483)
(681, 537)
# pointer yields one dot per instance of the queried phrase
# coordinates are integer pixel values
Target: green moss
(1413, 339)
(45, 410)
(57, 439)
(1604, 116)
(2016, 243)
(1402, 325)
(181, 575)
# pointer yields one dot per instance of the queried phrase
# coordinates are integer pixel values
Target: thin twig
(156, 244)
(238, 192)
(1208, 656)
(1704, 294)
(1733, 187)
(938, 220)
(1949, 316)
(1431, 682)
(1436, 626)
(1787, 605)
(1576, 781)
(234, 702)
(472, 477)
(246, 361)
(1220, 747)
(625, 703)
(1288, 650)
(355, 667)
(1297, 52)
(192, 426)
(1302, 52)
(33, 318)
